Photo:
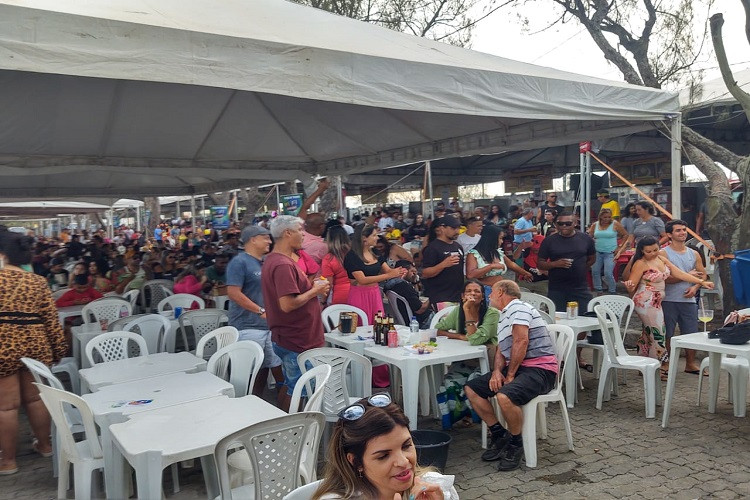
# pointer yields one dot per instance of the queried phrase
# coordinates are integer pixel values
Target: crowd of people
(279, 274)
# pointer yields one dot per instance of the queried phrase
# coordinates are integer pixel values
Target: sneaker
(496, 447)
(511, 458)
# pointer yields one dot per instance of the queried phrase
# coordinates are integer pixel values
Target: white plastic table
(115, 403)
(351, 341)
(701, 342)
(142, 367)
(448, 351)
(579, 325)
(68, 312)
(153, 440)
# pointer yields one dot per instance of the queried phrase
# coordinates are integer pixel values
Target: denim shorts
(263, 338)
(291, 368)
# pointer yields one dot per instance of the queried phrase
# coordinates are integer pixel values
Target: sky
(569, 46)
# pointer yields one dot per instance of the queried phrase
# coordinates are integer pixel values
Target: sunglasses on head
(355, 411)
(566, 223)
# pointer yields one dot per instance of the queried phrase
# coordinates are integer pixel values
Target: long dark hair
(626, 211)
(341, 476)
(338, 242)
(488, 244)
(360, 232)
(646, 241)
(482, 306)
(16, 247)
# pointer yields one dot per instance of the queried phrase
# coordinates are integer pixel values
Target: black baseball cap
(448, 221)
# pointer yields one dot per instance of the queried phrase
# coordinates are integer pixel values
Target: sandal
(664, 375)
(8, 472)
(589, 368)
(35, 447)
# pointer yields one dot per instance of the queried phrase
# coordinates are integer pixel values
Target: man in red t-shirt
(292, 305)
(80, 293)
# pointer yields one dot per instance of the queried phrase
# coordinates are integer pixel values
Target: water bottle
(414, 325)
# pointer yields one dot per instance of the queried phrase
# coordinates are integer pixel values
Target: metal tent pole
(192, 212)
(428, 169)
(676, 158)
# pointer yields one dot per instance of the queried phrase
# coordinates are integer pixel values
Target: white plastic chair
(112, 346)
(540, 302)
(132, 297)
(550, 320)
(59, 293)
(107, 308)
(86, 455)
(240, 468)
(738, 371)
(202, 322)
(69, 366)
(394, 300)
(274, 448)
(331, 313)
(439, 315)
(153, 291)
(305, 492)
(623, 308)
(154, 328)
(238, 364)
(184, 300)
(616, 357)
(43, 375)
(216, 340)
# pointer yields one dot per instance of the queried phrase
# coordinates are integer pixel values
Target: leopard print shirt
(29, 325)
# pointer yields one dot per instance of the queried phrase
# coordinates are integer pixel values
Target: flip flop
(589, 368)
(8, 472)
(693, 372)
(35, 447)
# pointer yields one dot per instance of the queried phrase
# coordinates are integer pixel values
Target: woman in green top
(472, 320)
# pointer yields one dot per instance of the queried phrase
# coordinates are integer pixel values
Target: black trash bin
(432, 448)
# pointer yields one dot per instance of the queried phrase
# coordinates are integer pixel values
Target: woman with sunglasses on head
(646, 285)
(371, 455)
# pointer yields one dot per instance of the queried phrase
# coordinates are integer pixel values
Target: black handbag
(737, 334)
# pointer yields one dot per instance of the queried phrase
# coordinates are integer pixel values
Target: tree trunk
(252, 198)
(151, 203)
(721, 220)
(328, 203)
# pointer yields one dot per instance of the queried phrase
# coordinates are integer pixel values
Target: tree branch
(717, 21)
(719, 153)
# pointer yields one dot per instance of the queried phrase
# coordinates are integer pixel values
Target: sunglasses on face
(355, 411)
(566, 223)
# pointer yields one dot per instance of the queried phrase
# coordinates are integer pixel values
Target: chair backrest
(305, 492)
(621, 305)
(238, 364)
(109, 308)
(132, 297)
(540, 302)
(275, 451)
(56, 401)
(331, 315)
(610, 328)
(112, 346)
(321, 374)
(563, 338)
(154, 329)
(42, 373)
(336, 396)
(439, 315)
(152, 292)
(546, 317)
(216, 340)
(395, 299)
(184, 300)
(59, 293)
(202, 321)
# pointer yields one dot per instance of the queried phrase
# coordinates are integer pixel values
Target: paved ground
(618, 453)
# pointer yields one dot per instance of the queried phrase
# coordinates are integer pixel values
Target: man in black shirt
(75, 247)
(405, 288)
(443, 263)
(568, 255)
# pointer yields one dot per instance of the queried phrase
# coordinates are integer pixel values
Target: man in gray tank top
(679, 303)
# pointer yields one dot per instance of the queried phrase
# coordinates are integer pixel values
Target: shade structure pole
(203, 209)
(111, 229)
(177, 214)
(586, 205)
(137, 218)
(236, 205)
(428, 169)
(192, 212)
(676, 159)
(278, 198)
(342, 205)
(581, 194)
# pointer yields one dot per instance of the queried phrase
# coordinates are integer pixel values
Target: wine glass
(705, 316)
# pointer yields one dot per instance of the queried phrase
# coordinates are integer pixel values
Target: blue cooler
(740, 268)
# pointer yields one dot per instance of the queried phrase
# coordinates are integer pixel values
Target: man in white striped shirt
(525, 367)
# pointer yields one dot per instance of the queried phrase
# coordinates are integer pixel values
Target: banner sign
(291, 203)
(220, 217)
(584, 147)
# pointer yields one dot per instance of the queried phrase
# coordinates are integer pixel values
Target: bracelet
(471, 323)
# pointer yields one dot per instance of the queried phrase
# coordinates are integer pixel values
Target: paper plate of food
(421, 347)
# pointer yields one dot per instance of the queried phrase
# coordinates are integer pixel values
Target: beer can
(572, 310)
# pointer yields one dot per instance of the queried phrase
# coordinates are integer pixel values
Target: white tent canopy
(173, 97)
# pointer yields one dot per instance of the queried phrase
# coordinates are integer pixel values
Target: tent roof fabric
(135, 97)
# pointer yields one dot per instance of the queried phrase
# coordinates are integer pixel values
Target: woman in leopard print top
(29, 327)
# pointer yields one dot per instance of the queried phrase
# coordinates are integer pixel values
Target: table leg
(570, 377)
(674, 355)
(208, 464)
(410, 385)
(148, 471)
(714, 369)
(119, 486)
(109, 452)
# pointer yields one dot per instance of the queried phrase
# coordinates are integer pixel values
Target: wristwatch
(261, 311)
